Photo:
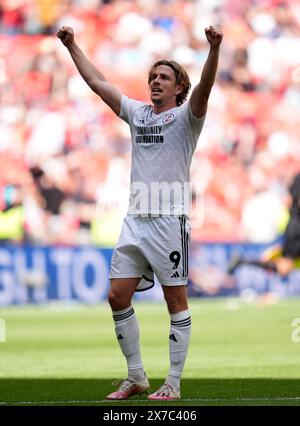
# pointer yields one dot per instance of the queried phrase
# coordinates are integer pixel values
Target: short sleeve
(196, 123)
(128, 108)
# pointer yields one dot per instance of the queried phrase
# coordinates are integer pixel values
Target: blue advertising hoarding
(33, 274)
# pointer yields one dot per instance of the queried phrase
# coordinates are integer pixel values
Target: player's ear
(178, 89)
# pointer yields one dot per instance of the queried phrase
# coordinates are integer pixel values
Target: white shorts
(152, 245)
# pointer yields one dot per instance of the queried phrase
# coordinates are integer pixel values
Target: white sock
(180, 333)
(128, 335)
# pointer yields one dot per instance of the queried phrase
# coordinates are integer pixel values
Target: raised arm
(92, 76)
(200, 95)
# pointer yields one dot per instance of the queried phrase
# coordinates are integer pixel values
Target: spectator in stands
(12, 215)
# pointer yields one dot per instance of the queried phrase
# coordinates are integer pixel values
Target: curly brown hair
(181, 75)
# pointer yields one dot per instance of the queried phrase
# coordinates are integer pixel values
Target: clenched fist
(66, 34)
(214, 36)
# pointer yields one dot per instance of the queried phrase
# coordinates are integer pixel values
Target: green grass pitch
(240, 354)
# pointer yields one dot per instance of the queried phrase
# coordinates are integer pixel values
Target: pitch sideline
(292, 398)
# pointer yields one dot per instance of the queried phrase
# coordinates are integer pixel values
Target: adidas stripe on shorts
(152, 245)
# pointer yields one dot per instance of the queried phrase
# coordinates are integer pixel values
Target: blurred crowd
(65, 157)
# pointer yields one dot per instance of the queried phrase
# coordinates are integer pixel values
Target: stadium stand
(65, 156)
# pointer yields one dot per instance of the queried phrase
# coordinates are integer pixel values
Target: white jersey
(162, 149)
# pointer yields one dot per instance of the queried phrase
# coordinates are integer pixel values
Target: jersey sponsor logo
(149, 135)
(168, 118)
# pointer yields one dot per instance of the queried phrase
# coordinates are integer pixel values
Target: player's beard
(155, 100)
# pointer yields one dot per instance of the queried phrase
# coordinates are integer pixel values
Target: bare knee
(174, 305)
(175, 298)
(118, 299)
(121, 292)
(112, 297)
